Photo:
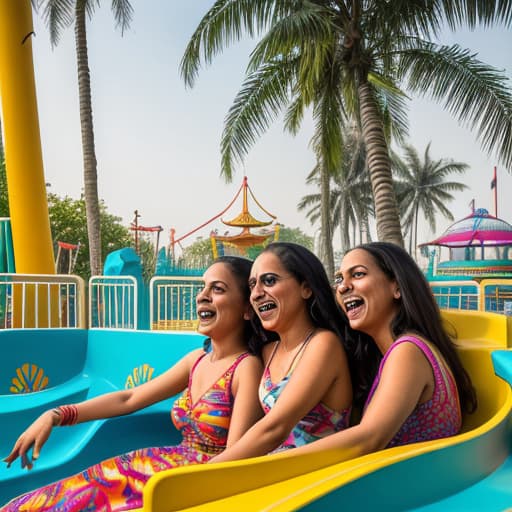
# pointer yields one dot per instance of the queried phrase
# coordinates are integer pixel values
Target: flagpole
(495, 187)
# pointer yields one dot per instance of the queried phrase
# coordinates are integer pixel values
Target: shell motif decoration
(29, 378)
(139, 375)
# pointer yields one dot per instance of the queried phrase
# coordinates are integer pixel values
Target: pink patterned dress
(436, 418)
(321, 421)
(116, 484)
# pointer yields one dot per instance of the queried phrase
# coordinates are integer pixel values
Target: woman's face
(366, 294)
(276, 295)
(221, 306)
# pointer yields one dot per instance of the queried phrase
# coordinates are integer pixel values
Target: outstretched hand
(34, 437)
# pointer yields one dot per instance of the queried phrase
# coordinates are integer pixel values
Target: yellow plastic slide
(334, 480)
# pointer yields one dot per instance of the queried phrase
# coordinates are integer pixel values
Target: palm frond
(57, 15)
(307, 31)
(471, 13)
(327, 139)
(294, 114)
(402, 17)
(475, 93)
(123, 13)
(263, 95)
(226, 22)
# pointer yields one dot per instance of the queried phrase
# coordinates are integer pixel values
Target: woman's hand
(35, 436)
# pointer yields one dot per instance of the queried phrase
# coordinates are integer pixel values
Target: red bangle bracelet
(68, 414)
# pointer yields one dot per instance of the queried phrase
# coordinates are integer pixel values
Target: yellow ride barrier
(287, 482)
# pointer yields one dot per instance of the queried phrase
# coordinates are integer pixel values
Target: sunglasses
(268, 279)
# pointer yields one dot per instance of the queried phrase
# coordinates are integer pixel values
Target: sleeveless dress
(116, 484)
(321, 421)
(436, 418)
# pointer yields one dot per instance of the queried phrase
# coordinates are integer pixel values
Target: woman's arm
(407, 380)
(108, 405)
(126, 401)
(315, 373)
(246, 408)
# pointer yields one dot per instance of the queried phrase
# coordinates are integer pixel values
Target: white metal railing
(113, 302)
(172, 302)
(41, 301)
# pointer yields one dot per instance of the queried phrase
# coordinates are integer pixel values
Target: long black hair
(418, 313)
(253, 333)
(323, 309)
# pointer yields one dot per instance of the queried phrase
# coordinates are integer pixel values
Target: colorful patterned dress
(436, 418)
(116, 484)
(321, 421)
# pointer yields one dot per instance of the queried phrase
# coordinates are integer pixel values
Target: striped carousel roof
(478, 229)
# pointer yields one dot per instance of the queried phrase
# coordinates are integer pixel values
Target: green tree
(297, 236)
(58, 15)
(423, 189)
(67, 221)
(197, 255)
(355, 59)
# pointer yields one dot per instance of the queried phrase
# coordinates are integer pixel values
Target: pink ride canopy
(478, 229)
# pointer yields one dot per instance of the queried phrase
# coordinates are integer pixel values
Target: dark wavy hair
(323, 309)
(253, 333)
(418, 313)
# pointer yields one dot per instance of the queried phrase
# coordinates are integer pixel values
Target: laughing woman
(419, 386)
(219, 403)
(306, 389)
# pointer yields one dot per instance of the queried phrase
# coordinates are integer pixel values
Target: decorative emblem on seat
(139, 375)
(29, 378)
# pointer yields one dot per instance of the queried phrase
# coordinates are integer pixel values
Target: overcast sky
(157, 142)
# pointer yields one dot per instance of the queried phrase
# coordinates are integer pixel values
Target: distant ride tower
(242, 242)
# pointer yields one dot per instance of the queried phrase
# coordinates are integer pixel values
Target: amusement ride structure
(477, 275)
(480, 246)
(246, 242)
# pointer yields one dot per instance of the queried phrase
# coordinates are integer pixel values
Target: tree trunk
(92, 206)
(415, 246)
(326, 251)
(368, 237)
(344, 233)
(377, 157)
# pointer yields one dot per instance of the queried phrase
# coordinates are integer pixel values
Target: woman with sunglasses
(306, 389)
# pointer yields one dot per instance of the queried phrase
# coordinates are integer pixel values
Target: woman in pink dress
(417, 388)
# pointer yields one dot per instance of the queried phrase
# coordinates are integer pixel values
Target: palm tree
(350, 202)
(58, 15)
(313, 204)
(423, 189)
(370, 52)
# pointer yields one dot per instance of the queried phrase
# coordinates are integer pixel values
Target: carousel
(479, 247)
(477, 272)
